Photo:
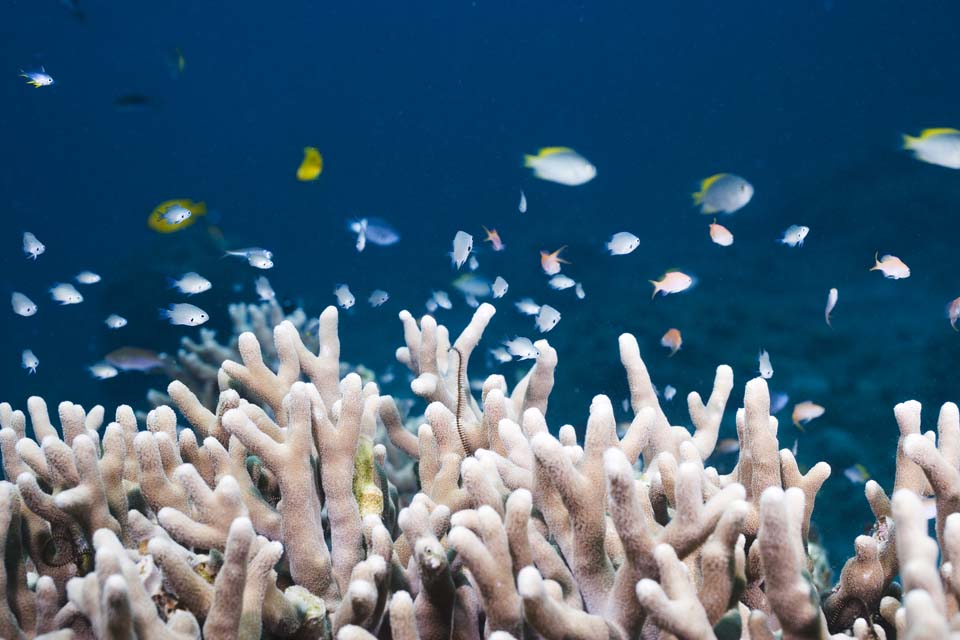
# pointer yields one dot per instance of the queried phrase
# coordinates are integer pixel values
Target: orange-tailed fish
(551, 261)
(494, 239)
(672, 340)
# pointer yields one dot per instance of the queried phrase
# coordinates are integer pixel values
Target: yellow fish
(161, 223)
(311, 166)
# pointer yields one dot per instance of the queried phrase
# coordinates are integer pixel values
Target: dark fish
(134, 359)
(135, 102)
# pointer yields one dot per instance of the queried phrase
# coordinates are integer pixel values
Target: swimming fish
(672, 340)
(114, 321)
(832, 296)
(727, 446)
(473, 263)
(562, 165)
(378, 297)
(939, 146)
(581, 294)
(494, 239)
(37, 78)
(376, 230)
(430, 305)
(890, 266)
(527, 306)
(462, 246)
(103, 370)
(720, 234)
(262, 286)
(794, 235)
(184, 314)
(550, 261)
(441, 299)
(361, 236)
(547, 318)
(806, 411)
(190, 283)
(87, 277)
(521, 348)
(669, 392)
(65, 293)
(672, 282)
(501, 355)
(29, 361)
(134, 359)
(500, 287)
(953, 312)
(522, 207)
(31, 246)
(763, 365)
(561, 282)
(471, 301)
(857, 474)
(345, 299)
(159, 220)
(311, 166)
(622, 243)
(778, 400)
(22, 305)
(255, 257)
(723, 193)
(470, 284)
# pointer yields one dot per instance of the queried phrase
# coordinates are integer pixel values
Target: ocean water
(423, 112)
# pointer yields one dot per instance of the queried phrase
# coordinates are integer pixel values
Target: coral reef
(297, 504)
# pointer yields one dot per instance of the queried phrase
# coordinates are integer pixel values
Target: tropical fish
(521, 348)
(727, 446)
(763, 365)
(262, 286)
(430, 305)
(522, 207)
(473, 263)
(778, 400)
(378, 298)
(37, 78)
(547, 318)
(311, 166)
(29, 361)
(31, 246)
(494, 239)
(114, 321)
(562, 165)
(377, 230)
(134, 359)
(720, 234)
(441, 299)
(102, 370)
(794, 235)
(501, 355)
(832, 296)
(672, 282)
(473, 285)
(22, 305)
(158, 219)
(471, 301)
(560, 282)
(87, 277)
(953, 312)
(890, 266)
(937, 146)
(672, 340)
(622, 243)
(65, 293)
(190, 283)
(527, 306)
(857, 474)
(184, 314)
(500, 287)
(345, 299)
(806, 411)
(669, 392)
(550, 261)
(462, 246)
(255, 257)
(723, 193)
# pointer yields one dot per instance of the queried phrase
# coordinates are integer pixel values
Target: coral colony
(294, 502)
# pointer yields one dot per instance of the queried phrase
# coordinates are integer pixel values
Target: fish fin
(909, 142)
(529, 161)
(173, 283)
(706, 183)
(876, 259)
(697, 198)
(656, 288)
(936, 131)
(550, 151)
(164, 314)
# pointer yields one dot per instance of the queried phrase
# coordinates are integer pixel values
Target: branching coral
(271, 511)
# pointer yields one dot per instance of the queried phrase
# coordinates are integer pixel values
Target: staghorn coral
(273, 514)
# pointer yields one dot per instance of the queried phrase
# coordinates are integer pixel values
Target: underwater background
(423, 112)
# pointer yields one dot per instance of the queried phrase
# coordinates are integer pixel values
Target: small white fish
(581, 294)
(442, 299)
(501, 355)
(720, 235)
(176, 214)
(778, 400)
(622, 243)
(31, 246)
(345, 299)
(765, 368)
(723, 193)
(374, 230)
(190, 283)
(262, 286)
(471, 300)
(521, 348)
(561, 282)
(831, 303)
(102, 370)
(527, 306)
(184, 314)
(857, 474)
(430, 305)
(37, 78)
(114, 321)
(65, 293)
(522, 207)
(794, 235)
(473, 263)
(940, 146)
(378, 297)
(669, 392)
(87, 277)
(562, 165)
(29, 361)
(500, 287)
(547, 318)
(255, 257)
(360, 228)
(22, 305)
(462, 246)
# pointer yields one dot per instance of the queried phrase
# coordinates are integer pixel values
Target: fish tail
(876, 259)
(529, 161)
(656, 288)
(909, 142)
(172, 283)
(164, 314)
(697, 197)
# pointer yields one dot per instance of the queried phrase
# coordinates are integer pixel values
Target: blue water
(423, 111)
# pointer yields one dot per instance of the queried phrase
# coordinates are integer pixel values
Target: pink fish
(550, 262)
(672, 282)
